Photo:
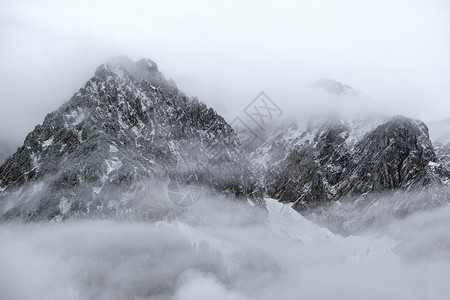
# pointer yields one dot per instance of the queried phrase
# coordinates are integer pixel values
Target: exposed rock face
(114, 146)
(316, 162)
(443, 153)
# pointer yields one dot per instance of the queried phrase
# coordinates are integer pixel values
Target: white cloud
(195, 257)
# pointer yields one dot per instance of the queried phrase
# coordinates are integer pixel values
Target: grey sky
(227, 52)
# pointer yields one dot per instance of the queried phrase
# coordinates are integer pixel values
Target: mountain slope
(116, 144)
(316, 161)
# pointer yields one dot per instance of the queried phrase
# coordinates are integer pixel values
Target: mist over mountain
(224, 251)
(237, 150)
(349, 166)
(128, 137)
(312, 197)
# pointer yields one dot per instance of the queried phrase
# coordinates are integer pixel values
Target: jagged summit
(336, 88)
(144, 64)
(123, 68)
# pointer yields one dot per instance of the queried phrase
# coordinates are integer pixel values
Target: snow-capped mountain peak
(124, 69)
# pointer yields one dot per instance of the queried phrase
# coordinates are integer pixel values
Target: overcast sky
(226, 52)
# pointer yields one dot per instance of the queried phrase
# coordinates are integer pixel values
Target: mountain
(130, 141)
(336, 88)
(317, 161)
(118, 146)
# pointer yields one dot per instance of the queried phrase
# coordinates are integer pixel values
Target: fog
(227, 52)
(226, 251)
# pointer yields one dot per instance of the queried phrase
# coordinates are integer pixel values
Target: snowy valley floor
(217, 252)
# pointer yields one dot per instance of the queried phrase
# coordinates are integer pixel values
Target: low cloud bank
(279, 255)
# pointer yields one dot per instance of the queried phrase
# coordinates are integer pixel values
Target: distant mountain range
(129, 139)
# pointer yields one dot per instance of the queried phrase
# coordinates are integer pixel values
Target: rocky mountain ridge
(314, 162)
(130, 139)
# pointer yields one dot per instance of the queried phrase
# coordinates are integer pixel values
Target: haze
(226, 52)
(221, 250)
